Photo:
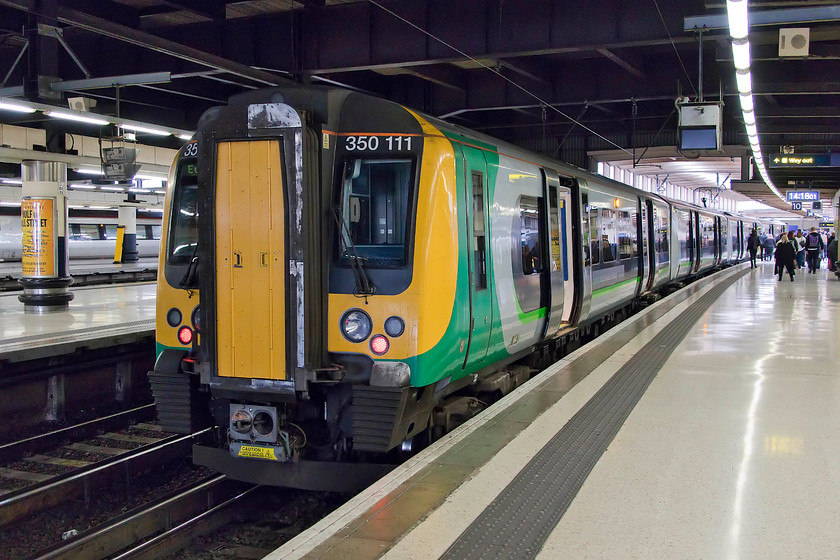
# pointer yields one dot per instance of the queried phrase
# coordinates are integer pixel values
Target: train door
(567, 235)
(481, 308)
(557, 270)
(693, 249)
(647, 267)
(251, 280)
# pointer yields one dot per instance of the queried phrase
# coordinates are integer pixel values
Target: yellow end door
(250, 257)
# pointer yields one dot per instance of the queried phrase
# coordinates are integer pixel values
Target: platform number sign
(796, 206)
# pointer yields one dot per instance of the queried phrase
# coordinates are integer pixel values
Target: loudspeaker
(794, 41)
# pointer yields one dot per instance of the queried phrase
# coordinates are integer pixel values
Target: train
(344, 279)
(91, 234)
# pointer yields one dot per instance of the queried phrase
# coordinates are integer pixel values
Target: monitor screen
(703, 138)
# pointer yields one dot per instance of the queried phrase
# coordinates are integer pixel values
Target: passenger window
(480, 265)
(529, 235)
(609, 235)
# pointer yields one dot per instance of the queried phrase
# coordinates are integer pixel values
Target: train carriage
(343, 277)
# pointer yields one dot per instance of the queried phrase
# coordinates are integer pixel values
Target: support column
(128, 221)
(43, 208)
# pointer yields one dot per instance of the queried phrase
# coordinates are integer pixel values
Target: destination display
(802, 196)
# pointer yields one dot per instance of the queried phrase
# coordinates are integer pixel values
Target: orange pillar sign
(37, 217)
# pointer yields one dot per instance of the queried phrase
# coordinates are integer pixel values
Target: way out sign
(37, 221)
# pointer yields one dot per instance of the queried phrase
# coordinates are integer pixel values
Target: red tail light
(379, 344)
(185, 335)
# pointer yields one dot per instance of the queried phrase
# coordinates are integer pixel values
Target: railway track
(160, 527)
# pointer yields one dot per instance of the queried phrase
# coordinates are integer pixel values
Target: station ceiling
(568, 79)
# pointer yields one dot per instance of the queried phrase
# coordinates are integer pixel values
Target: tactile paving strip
(520, 519)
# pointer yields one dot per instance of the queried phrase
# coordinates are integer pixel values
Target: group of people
(792, 250)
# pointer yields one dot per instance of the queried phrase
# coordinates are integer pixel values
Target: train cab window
(184, 231)
(375, 197)
(596, 239)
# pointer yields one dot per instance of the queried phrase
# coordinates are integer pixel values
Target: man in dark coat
(753, 243)
(814, 245)
(784, 257)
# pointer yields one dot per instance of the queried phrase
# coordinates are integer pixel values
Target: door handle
(237, 259)
(263, 259)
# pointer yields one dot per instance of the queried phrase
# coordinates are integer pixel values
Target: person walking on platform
(784, 257)
(753, 243)
(831, 251)
(800, 253)
(813, 246)
(768, 244)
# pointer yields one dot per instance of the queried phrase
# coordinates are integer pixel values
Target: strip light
(77, 118)
(15, 107)
(137, 128)
(739, 26)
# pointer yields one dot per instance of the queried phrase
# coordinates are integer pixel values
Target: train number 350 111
(372, 143)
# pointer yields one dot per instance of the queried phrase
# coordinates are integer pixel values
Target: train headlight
(173, 317)
(379, 344)
(241, 421)
(196, 319)
(356, 325)
(394, 326)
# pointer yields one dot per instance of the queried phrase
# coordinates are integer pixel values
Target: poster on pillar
(37, 216)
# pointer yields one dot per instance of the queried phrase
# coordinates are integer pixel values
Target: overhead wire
(674, 45)
(543, 102)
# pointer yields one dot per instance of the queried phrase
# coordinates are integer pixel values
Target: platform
(715, 442)
(86, 266)
(97, 316)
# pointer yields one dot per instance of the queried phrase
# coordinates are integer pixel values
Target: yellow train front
(294, 298)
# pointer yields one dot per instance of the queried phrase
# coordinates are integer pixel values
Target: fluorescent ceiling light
(88, 171)
(747, 102)
(115, 189)
(739, 24)
(749, 117)
(147, 130)
(159, 192)
(100, 207)
(75, 117)
(751, 130)
(741, 54)
(744, 80)
(12, 181)
(144, 191)
(86, 187)
(4, 203)
(15, 107)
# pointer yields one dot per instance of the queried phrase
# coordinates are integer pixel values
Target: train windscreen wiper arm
(364, 287)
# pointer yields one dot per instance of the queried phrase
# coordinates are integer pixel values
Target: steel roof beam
(147, 40)
(766, 17)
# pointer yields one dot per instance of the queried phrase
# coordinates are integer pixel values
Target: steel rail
(178, 516)
(79, 484)
(15, 450)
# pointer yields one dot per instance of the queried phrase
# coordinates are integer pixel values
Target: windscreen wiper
(364, 287)
(189, 275)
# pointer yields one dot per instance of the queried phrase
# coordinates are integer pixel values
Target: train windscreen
(374, 212)
(184, 230)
